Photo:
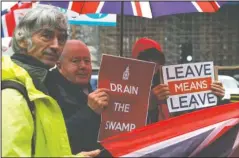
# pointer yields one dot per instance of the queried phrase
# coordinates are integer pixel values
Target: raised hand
(161, 91)
(98, 100)
(218, 89)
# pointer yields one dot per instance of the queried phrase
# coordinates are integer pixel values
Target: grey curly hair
(35, 20)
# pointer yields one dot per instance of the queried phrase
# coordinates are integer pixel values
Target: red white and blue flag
(135, 8)
(8, 19)
(209, 132)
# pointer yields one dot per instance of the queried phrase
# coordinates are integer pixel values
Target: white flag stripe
(70, 5)
(236, 142)
(146, 9)
(100, 6)
(35, 4)
(173, 141)
(7, 5)
(134, 8)
(197, 6)
(217, 4)
(4, 26)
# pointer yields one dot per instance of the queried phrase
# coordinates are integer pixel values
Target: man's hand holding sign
(161, 91)
(217, 89)
(98, 100)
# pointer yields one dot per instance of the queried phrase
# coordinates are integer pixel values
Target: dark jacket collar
(60, 79)
(36, 69)
(27, 59)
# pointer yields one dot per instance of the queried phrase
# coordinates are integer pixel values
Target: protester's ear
(23, 43)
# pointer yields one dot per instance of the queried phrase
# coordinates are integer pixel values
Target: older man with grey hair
(33, 124)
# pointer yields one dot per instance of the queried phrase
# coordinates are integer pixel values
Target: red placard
(129, 82)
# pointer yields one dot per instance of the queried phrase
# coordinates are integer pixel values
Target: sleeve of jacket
(81, 118)
(17, 125)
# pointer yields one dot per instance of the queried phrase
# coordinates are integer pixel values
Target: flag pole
(121, 28)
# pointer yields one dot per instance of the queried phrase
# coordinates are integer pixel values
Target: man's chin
(82, 82)
(49, 63)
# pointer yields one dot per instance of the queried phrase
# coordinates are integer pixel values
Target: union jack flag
(135, 8)
(209, 132)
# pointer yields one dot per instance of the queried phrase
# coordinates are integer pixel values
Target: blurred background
(204, 36)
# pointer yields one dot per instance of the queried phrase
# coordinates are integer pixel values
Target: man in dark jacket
(149, 50)
(80, 106)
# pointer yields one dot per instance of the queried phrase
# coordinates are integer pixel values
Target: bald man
(69, 85)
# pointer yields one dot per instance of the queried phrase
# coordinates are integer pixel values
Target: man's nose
(55, 43)
(82, 64)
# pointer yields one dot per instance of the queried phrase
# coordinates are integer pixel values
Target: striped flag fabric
(8, 24)
(147, 9)
(209, 132)
(8, 19)
(134, 8)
